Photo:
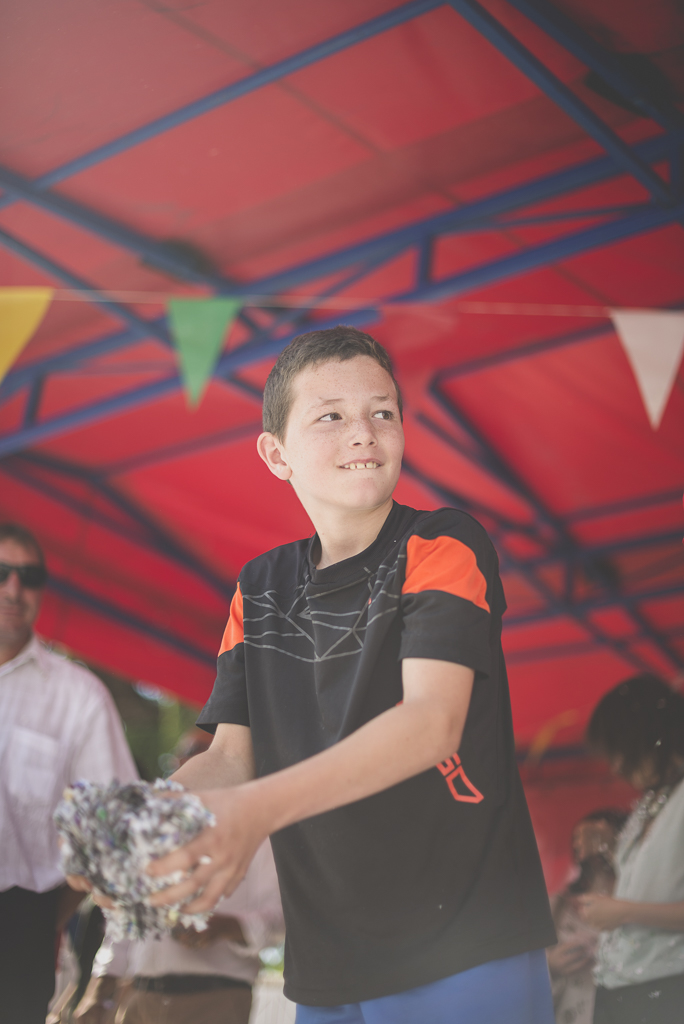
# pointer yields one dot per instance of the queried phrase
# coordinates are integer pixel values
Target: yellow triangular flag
(21, 310)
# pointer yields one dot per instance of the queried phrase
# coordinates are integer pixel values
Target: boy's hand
(217, 860)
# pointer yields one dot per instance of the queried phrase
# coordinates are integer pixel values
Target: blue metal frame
(244, 86)
(143, 328)
(138, 527)
(496, 270)
(554, 606)
(124, 401)
(546, 254)
(558, 26)
(69, 359)
(370, 253)
(107, 609)
(617, 508)
(564, 546)
(112, 231)
(393, 243)
(532, 68)
(360, 259)
(582, 608)
(178, 451)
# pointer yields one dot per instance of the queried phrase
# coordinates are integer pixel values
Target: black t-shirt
(439, 873)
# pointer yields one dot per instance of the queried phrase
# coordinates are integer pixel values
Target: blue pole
(109, 610)
(533, 69)
(555, 605)
(178, 451)
(497, 270)
(592, 604)
(544, 255)
(533, 348)
(567, 548)
(393, 242)
(617, 508)
(85, 415)
(244, 86)
(370, 252)
(104, 227)
(138, 528)
(142, 328)
(24, 376)
(556, 24)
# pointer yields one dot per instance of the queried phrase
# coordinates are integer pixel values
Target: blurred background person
(58, 723)
(639, 727)
(572, 959)
(189, 976)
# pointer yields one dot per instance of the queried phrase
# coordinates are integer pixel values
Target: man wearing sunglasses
(58, 723)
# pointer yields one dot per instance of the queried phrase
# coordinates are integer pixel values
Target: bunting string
(137, 298)
(652, 339)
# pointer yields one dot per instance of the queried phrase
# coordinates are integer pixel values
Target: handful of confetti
(111, 833)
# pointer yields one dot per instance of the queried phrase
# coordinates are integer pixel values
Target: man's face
(19, 605)
(344, 439)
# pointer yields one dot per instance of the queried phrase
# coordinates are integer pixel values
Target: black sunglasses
(32, 576)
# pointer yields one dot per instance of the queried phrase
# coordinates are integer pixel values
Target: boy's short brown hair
(341, 343)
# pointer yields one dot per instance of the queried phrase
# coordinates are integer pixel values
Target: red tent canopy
(475, 184)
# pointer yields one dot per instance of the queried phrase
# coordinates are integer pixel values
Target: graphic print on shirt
(323, 634)
(452, 769)
(438, 564)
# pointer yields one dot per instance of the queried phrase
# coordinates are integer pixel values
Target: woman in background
(639, 727)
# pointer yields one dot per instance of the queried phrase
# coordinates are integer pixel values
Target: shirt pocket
(32, 767)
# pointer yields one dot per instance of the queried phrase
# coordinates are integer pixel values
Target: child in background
(572, 960)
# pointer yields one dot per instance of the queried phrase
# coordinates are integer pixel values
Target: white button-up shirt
(58, 723)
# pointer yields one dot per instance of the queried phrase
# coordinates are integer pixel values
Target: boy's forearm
(214, 769)
(396, 745)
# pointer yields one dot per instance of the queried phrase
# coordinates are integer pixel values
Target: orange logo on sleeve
(453, 770)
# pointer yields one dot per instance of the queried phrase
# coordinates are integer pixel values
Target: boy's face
(344, 439)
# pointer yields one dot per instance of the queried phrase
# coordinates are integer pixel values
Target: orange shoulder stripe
(234, 633)
(444, 564)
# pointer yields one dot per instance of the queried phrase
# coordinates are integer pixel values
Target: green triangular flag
(198, 328)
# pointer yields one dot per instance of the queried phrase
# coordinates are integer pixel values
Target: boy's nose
(361, 433)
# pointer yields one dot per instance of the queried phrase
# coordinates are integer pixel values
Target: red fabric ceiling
(147, 515)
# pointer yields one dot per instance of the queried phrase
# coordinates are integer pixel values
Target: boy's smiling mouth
(367, 464)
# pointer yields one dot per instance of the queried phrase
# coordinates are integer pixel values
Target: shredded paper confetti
(111, 833)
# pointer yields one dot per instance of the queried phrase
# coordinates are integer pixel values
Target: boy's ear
(271, 451)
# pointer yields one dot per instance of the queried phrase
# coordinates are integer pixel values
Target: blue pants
(511, 991)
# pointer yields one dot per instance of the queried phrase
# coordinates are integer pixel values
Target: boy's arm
(229, 761)
(403, 741)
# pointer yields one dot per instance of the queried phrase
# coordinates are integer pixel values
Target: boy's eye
(384, 414)
(329, 417)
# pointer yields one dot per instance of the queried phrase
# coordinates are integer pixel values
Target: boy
(353, 666)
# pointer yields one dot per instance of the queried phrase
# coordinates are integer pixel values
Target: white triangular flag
(653, 341)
